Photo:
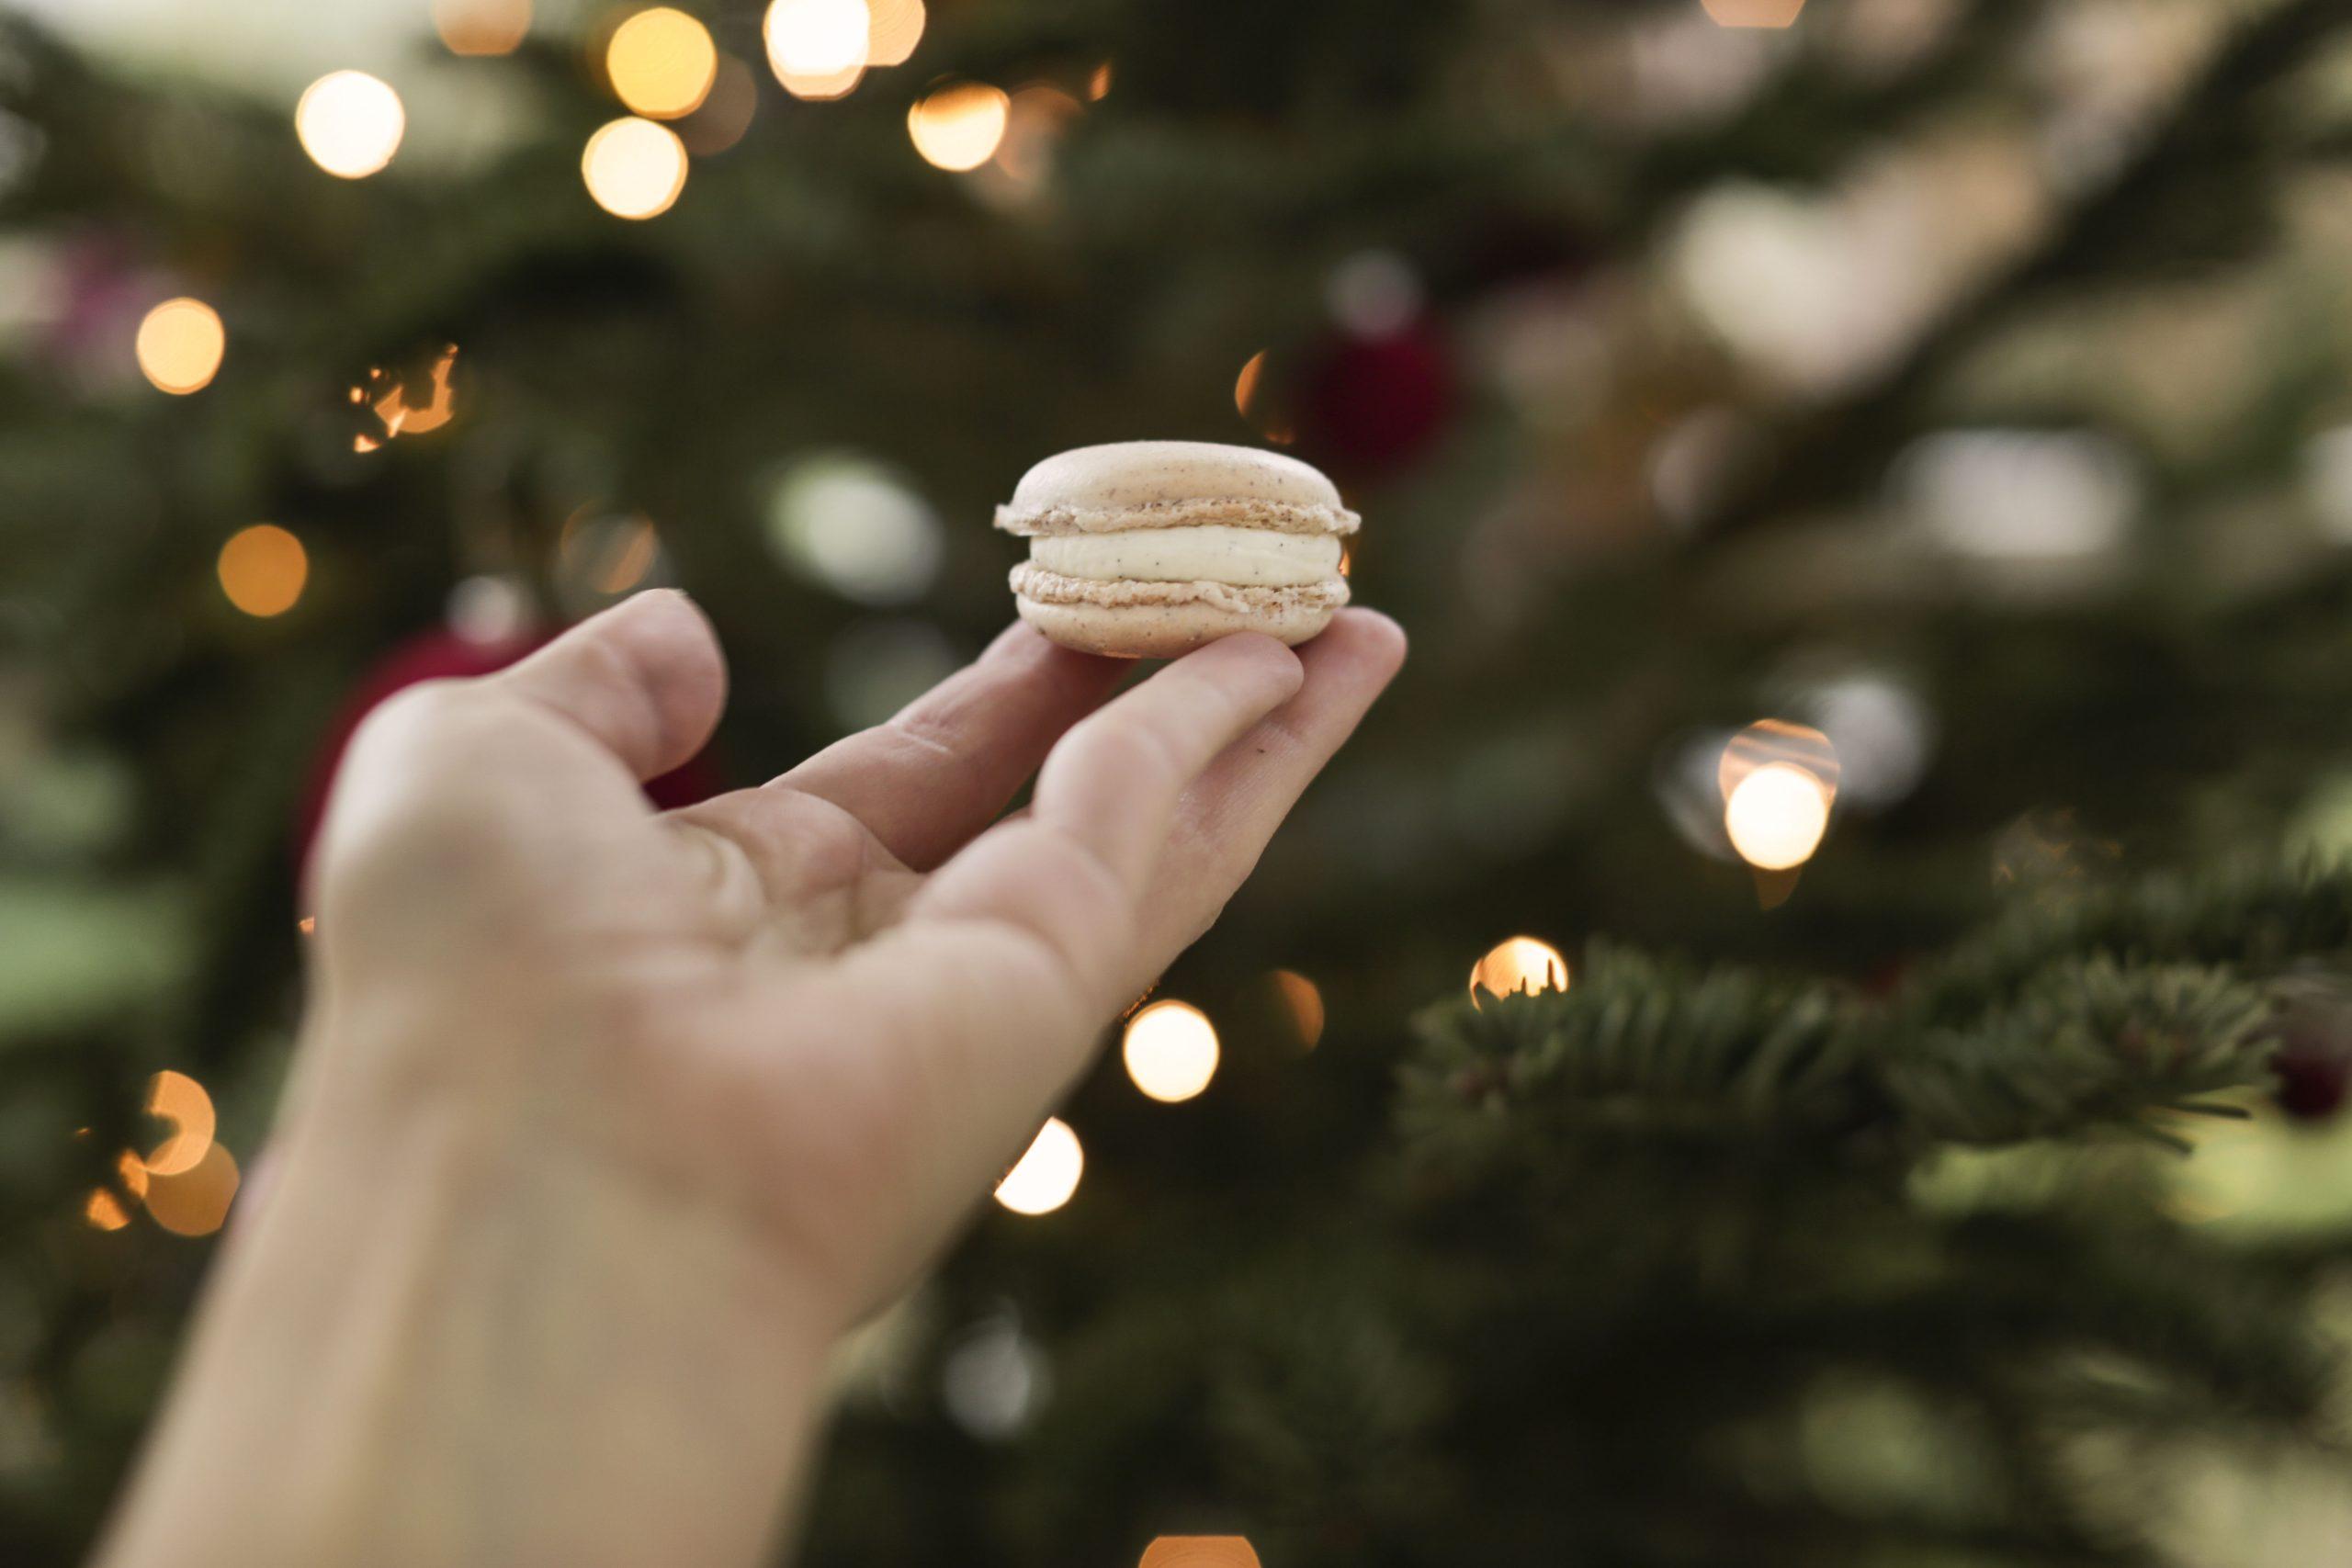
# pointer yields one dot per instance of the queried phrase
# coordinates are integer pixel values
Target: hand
(836, 1006)
(606, 1121)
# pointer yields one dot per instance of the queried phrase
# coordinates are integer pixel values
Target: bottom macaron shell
(1164, 631)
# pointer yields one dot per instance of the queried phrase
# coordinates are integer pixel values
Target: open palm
(836, 1005)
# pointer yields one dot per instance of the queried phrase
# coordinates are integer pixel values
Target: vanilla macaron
(1147, 549)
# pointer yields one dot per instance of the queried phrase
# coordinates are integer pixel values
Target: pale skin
(606, 1122)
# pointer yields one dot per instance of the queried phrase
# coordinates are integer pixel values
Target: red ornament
(1375, 404)
(2313, 1077)
(441, 654)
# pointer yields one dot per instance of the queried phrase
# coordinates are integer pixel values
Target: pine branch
(2116, 1011)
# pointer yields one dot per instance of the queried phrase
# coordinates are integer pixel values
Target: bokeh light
(1770, 741)
(896, 27)
(1302, 1003)
(958, 127)
(993, 1378)
(662, 62)
(180, 346)
(350, 123)
(1200, 1551)
(401, 410)
(195, 1201)
(181, 1100)
(262, 569)
(1245, 385)
(634, 168)
(1777, 815)
(1170, 1051)
(603, 555)
(725, 113)
(482, 27)
(1036, 117)
(855, 526)
(1098, 84)
(1755, 13)
(1520, 963)
(1046, 1177)
(104, 1210)
(817, 38)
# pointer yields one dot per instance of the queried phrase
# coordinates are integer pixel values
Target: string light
(1755, 13)
(634, 168)
(350, 123)
(262, 569)
(957, 126)
(1520, 963)
(895, 28)
(1044, 1177)
(662, 62)
(1170, 1051)
(482, 27)
(181, 1100)
(1200, 1551)
(196, 1202)
(1303, 1001)
(180, 346)
(817, 40)
(1776, 816)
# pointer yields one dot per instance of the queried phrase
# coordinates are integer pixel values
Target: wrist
(455, 1331)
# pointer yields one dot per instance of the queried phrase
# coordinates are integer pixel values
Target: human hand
(606, 1121)
(832, 1008)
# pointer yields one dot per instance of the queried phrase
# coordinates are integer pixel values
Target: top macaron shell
(1129, 475)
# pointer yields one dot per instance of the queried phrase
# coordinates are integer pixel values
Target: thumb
(645, 679)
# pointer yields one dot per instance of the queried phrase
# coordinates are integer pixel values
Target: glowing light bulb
(817, 37)
(482, 27)
(262, 569)
(1047, 1175)
(1521, 963)
(895, 28)
(180, 346)
(1777, 815)
(957, 126)
(1170, 1051)
(350, 123)
(662, 62)
(634, 168)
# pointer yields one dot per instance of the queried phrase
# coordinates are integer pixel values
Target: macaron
(1147, 549)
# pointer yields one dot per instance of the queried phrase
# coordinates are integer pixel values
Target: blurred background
(1844, 467)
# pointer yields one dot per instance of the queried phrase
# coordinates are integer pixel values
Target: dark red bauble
(1369, 404)
(441, 654)
(2314, 1079)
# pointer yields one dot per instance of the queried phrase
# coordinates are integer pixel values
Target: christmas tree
(1869, 484)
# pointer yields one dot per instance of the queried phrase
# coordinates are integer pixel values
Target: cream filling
(1247, 558)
